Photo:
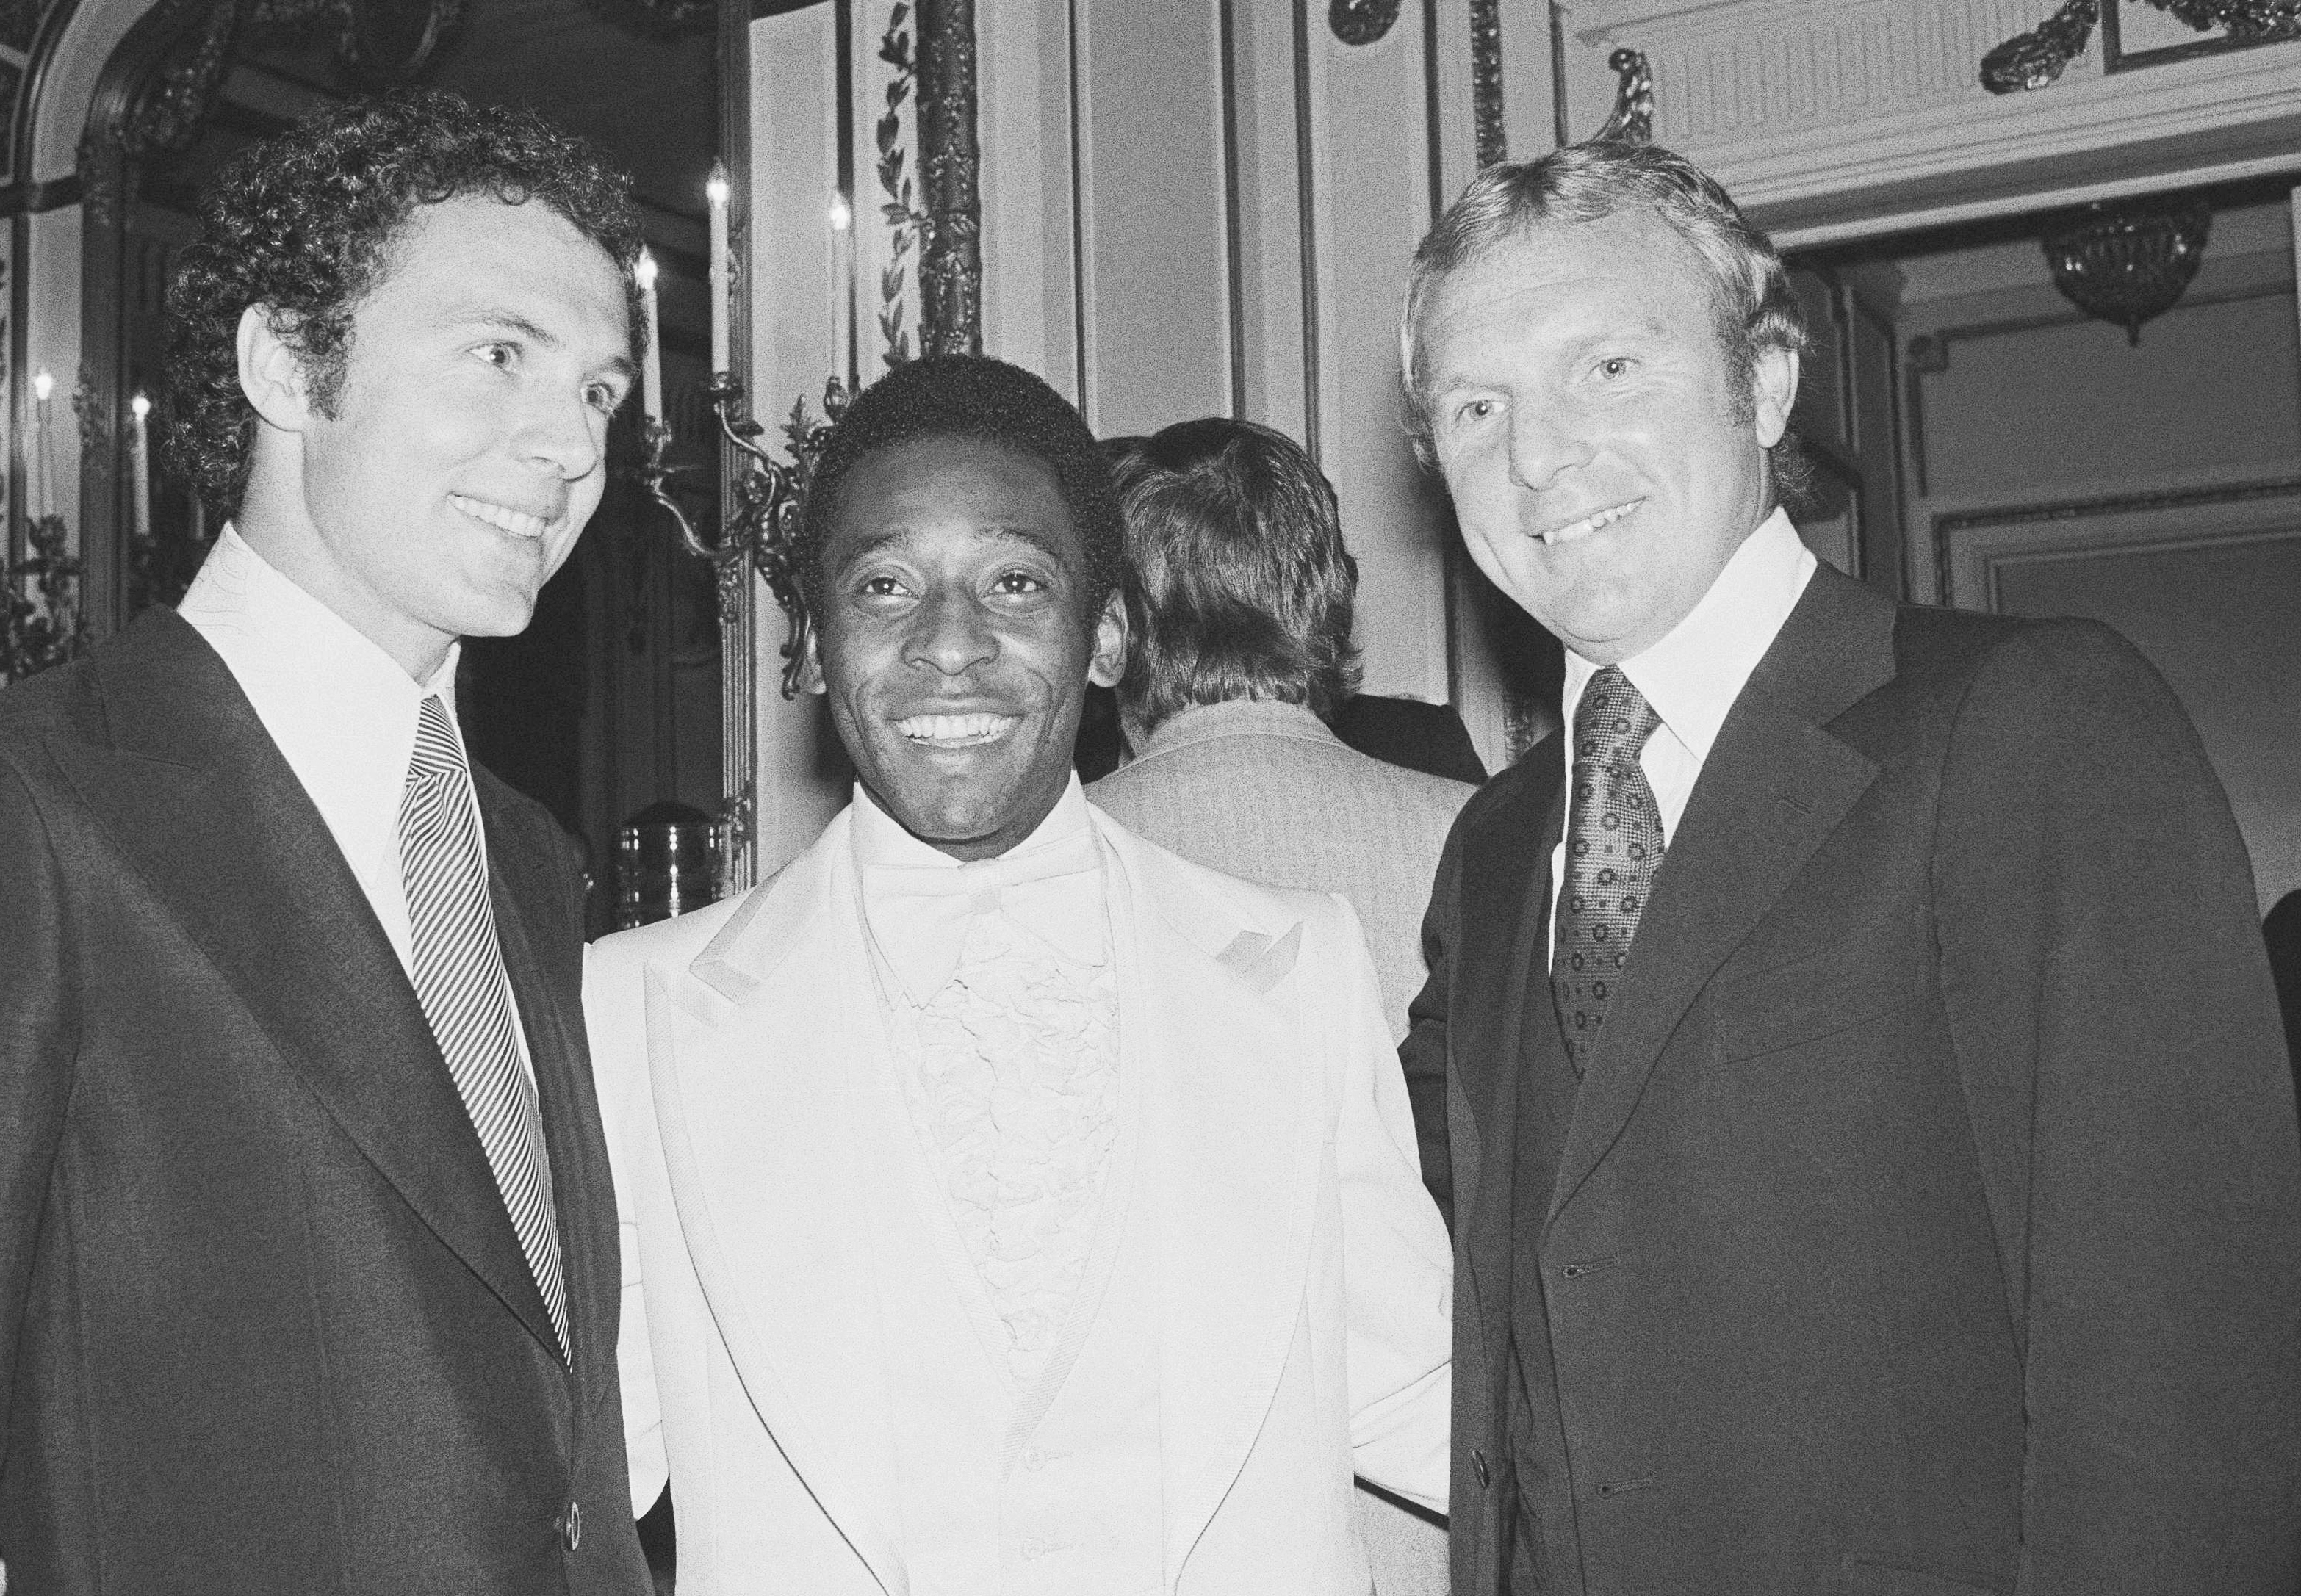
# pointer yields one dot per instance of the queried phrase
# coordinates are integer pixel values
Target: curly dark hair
(305, 223)
(971, 397)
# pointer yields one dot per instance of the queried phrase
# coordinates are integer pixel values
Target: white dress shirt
(1010, 1064)
(1694, 674)
(339, 709)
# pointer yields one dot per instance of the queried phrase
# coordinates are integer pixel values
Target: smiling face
(951, 642)
(468, 443)
(1582, 413)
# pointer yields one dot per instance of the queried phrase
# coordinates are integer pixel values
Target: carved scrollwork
(383, 42)
(2034, 59)
(950, 271)
(1487, 79)
(1361, 21)
(1632, 120)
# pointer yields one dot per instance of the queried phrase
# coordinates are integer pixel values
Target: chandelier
(2128, 263)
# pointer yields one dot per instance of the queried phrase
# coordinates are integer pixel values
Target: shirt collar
(340, 709)
(1694, 674)
(1235, 717)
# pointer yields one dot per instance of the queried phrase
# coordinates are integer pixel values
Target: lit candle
(716, 191)
(139, 462)
(651, 362)
(842, 282)
(43, 385)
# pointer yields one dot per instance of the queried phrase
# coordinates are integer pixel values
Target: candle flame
(43, 386)
(141, 405)
(842, 215)
(646, 270)
(717, 189)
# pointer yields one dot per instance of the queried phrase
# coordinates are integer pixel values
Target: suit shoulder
(61, 701)
(1527, 784)
(1250, 900)
(2001, 664)
(1425, 792)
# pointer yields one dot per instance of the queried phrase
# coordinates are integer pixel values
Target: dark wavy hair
(988, 401)
(1238, 583)
(305, 223)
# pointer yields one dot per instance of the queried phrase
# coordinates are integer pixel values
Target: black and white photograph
(1150, 797)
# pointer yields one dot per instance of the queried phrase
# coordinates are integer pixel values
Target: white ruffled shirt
(1011, 1069)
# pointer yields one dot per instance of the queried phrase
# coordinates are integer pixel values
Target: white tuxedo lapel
(752, 1050)
(1228, 1168)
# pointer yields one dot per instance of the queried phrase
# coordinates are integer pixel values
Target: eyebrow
(875, 543)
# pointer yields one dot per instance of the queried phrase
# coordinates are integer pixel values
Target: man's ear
(1107, 662)
(811, 670)
(1773, 393)
(272, 372)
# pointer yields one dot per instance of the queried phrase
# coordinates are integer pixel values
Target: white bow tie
(919, 913)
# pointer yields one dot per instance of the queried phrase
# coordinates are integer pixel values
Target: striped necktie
(467, 997)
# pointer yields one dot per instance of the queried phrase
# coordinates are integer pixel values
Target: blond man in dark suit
(1874, 1160)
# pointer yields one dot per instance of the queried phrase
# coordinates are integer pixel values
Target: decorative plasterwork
(1829, 117)
(1487, 79)
(1361, 21)
(950, 276)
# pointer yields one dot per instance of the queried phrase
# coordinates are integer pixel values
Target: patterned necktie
(467, 997)
(1613, 846)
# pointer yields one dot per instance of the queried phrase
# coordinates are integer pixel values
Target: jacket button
(1478, 1466)
(571, 1526)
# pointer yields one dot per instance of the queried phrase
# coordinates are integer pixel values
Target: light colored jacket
(1298, 1273)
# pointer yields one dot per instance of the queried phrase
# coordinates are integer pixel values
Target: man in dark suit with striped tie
(1875, 1168)
(308, 1263)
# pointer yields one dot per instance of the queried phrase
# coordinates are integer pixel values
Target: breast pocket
(1822, 994)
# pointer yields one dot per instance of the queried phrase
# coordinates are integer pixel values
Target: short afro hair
(988, 401)
(305, 223)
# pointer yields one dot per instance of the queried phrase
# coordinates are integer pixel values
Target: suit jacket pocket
(1865, 1575)
(1807, 999)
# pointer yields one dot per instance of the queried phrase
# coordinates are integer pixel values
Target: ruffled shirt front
(1010, 1067)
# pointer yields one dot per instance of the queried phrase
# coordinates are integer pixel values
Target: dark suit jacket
(1926, 1222)
(264, 1327)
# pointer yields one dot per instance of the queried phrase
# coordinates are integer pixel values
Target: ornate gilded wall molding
(1487, 79)
(1632, 120)
(2034, 59)
(1361, 21)
(950, 276)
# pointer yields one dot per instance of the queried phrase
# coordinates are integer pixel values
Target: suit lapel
(758, 1056)
(1233, 1124)
(1505, 882)
(1775, 785)
(204, 808)
(525, 884)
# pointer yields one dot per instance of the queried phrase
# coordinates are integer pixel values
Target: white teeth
(1590, 523)
(956, 730)
(517, 523)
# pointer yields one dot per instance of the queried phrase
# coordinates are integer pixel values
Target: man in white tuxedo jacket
(1012, 1205)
